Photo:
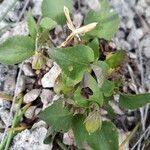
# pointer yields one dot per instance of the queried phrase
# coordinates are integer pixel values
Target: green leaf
(74, 61)
(107, 19)
(117, 59)
(79, 130)
(55, 9)
(16, 49)
(32, 26)
(134, 101)
(57, 116)
(94, 44)
(96, 95)
(47, 23)
(100, 69)
(105, 138)
(108, 88)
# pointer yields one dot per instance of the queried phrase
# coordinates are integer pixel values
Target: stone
(77, 19)
(46, 97)
(31, 95)
(31, 139)
(9, 84)
(21, 85)
(27, 69)
(93, 4)
(50, 77)
(30, 112)
(146, 52)
(68, 138)
(4, 116)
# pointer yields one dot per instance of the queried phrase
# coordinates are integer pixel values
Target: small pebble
(31, 95)
(30, 112)
(50, 77)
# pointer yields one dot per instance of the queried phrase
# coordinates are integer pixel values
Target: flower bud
(39, 61)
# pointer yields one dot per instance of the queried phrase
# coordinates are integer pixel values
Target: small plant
(90, 73)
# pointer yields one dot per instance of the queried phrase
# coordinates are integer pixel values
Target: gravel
(134, 33)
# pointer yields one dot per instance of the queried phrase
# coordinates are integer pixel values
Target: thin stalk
(128, 138)
(6, 97)
(61, 145)
(14, 123)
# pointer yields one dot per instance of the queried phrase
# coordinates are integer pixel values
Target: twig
(128, 137)
(13, 103)
(23, 10)
(62, 146)
(147, 130)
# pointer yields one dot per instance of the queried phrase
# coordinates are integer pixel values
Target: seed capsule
(39, 61)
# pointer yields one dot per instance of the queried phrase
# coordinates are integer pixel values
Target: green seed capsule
(39, 61)
(93, 122)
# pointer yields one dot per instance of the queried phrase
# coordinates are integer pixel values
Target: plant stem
(9, 136)
(128, 138)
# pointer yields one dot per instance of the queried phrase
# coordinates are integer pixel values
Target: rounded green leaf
(57, 116)
(16, 49)
(105, 138)
(108, 21)
(55, 9)
(47, 23)
(73, 61)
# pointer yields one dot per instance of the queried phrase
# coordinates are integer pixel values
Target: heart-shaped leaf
(16, 49)
(134, 101)
(108, 21)
(57, 116)
(105, 138)
(85, 98)
(73, 61)
(79, 130)
(55, 9)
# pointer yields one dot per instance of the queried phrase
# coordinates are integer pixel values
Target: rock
(30, 112)
(147, 12)
(93, 4)
(9, 84)
(116, 108)
(31, 95)
(77, 19)
(31, 140)
(36, 10)
(134, 36)
(26, 68)
(29, 83)
(21, 85)
(122, 136)
(68, 138)
(37, 111)
(46, 97)
(4, 116)
(122, 8)
(146, 52)
(50, 77)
